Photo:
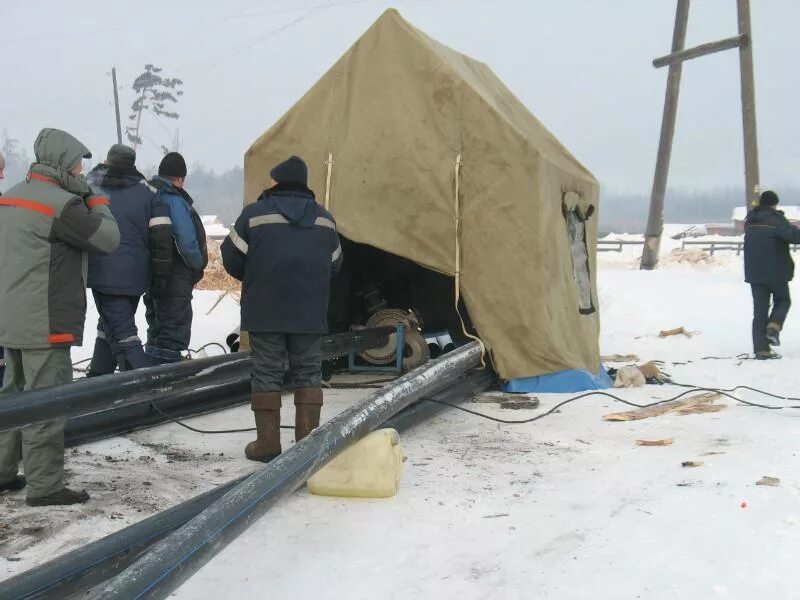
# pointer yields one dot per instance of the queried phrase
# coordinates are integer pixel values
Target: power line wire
(264, 36)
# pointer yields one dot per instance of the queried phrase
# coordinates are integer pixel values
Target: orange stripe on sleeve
(97, 201)
(60, 338)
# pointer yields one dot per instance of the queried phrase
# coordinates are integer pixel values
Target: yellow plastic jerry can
(370, 468)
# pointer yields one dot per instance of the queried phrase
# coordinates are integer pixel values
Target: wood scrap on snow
(700, 403)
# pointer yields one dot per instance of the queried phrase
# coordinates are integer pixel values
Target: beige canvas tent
(396, 114)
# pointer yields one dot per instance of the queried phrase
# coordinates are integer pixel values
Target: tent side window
(576, 230)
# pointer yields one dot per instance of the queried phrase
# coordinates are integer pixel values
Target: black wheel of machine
(389, 317)
(416, 351)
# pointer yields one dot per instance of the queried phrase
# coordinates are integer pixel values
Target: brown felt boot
(267, 411)
(307, 404)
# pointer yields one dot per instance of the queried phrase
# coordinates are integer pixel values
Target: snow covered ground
(565, 507)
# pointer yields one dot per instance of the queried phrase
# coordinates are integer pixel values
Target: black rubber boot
(14, 485)
(63, 497)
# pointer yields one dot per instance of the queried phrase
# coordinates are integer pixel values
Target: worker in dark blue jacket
(768, 268)
(119, 279)
(285, 250)
(169, 300)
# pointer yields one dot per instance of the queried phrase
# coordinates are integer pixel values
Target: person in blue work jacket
(285, 250)
(119, 279)
(168, 302)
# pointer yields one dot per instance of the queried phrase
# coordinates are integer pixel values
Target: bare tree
(154, 94)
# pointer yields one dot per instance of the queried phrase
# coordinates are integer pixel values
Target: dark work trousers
(118, 342)
(271, 352)
(169, 326)
(763, 294)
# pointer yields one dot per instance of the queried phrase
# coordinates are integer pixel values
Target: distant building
(215, 230)
(740, 214)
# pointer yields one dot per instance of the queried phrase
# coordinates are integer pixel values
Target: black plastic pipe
(83, 568)
(86, 396)
(172, 560)
(190, 403)
(96, 394)
(92, 564)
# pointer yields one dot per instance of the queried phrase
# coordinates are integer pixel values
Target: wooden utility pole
(116, 104)
(751, 175)
(655, 220)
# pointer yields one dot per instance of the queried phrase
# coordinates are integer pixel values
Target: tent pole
(457, 274)
(328, 162)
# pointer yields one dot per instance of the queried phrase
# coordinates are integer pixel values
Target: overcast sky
(583, 67)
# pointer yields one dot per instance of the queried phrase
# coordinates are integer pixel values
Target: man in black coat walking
(144, 254)
(285, 250)
(768, 268)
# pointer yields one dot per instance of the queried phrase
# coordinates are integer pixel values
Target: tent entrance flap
(372, 280)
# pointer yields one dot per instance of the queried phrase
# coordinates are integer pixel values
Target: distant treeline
(627, 213)
(216, 194)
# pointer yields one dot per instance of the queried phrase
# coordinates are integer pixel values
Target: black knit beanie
(768, 198)
(292, 170)
(172, 165)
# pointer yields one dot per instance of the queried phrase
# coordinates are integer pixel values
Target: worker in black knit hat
(119, 280)
(169, 300)
(285, 250)
(768, 268)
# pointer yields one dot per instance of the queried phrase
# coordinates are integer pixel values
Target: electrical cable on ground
(691, 389)
(79, 369)
(745, 387)
(208, 345)
(206, 431)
